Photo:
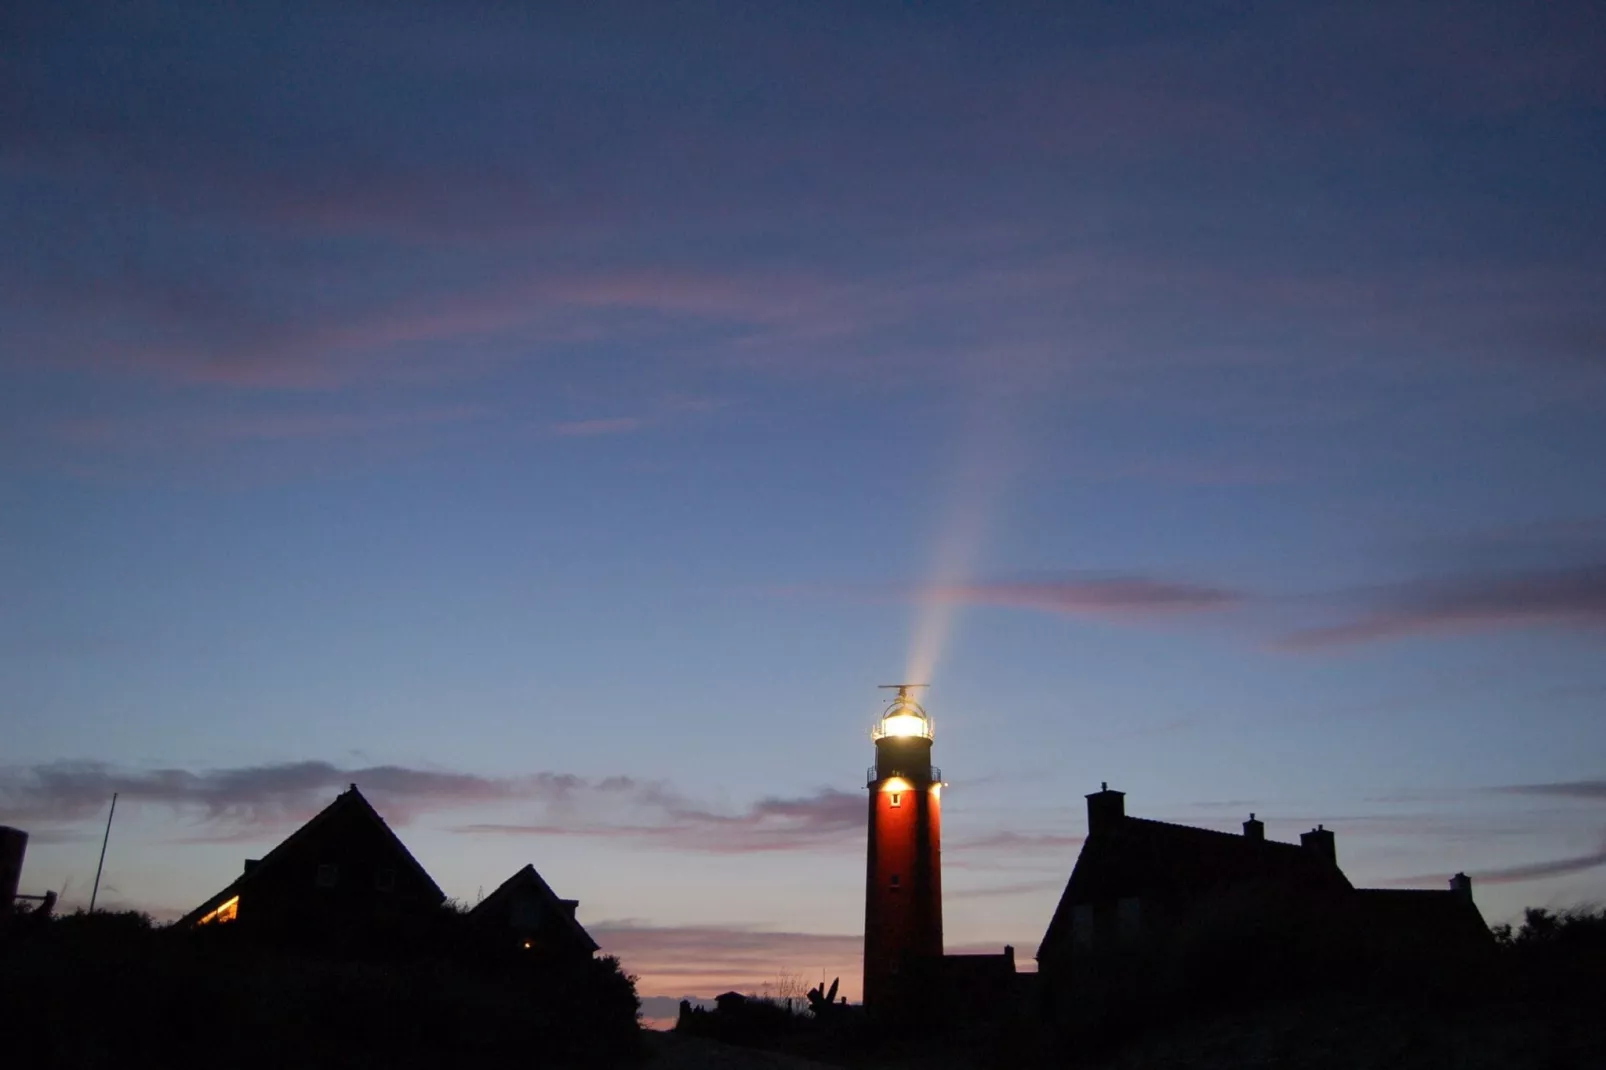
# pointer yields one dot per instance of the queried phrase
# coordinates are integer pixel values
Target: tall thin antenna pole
(104, 839)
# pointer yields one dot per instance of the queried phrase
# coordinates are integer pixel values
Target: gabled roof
(527, 879)
(1444, 919)
(350, 801)
(1158, 860)
(1147, 857)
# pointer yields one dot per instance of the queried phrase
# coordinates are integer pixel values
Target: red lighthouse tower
(903, 888)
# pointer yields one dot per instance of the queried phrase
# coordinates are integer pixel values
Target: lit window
(896, 798)
(328, 874)
(228, 911)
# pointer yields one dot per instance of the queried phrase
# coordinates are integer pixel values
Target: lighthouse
(903, 884)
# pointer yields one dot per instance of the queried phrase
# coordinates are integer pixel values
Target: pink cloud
(824, 819)
(1020, 841)
(284, 425)
(232, 803)
(1519, 874)
(1572, 598)
(237, 804)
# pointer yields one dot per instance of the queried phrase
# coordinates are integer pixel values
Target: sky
(558, 419)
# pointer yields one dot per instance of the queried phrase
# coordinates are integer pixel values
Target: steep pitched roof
(350, 801)
(1156, 859)
(527, 879)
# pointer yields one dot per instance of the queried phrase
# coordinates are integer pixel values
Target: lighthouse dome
(904, 718)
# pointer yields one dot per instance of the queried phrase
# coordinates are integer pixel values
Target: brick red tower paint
(903, 885)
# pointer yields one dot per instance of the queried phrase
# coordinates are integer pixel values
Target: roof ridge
(1236, 837)
(545, 890)
(348, 798)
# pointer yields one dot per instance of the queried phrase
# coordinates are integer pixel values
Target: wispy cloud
(240, 803)
(1115, 596)
(269, 796)
(300, 424)
(1572, 598)
(613, 425)
(1566, 789)
(1073, 594)
(1558, 867)
(1518, 874)
(825, 818)
(1022, 842)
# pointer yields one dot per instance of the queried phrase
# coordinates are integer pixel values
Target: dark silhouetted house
(344, 867)
(524, 912)
(979, 987)
(1423, 922)
(1141, 885)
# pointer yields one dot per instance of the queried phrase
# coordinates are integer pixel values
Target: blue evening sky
(558, 419)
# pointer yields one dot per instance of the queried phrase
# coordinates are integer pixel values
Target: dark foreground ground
(108, 990)
(1533, 998)
(1316, 1037)
(112, 991)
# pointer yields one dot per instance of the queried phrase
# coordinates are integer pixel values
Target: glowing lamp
(904, 719)
(905, 724)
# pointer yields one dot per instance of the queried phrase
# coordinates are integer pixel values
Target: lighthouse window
(896, 798)
(897, 879)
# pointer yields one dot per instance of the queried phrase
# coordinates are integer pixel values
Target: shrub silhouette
(113, 989)
(1555, 957)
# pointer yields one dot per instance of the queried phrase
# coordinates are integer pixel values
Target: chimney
(1461, 885)
(1106, 810)
(1254, 829)
(1320, 840)
(1009, 955)
(250, 864)
(13, 848)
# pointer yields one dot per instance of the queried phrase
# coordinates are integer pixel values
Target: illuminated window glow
(228, 911)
